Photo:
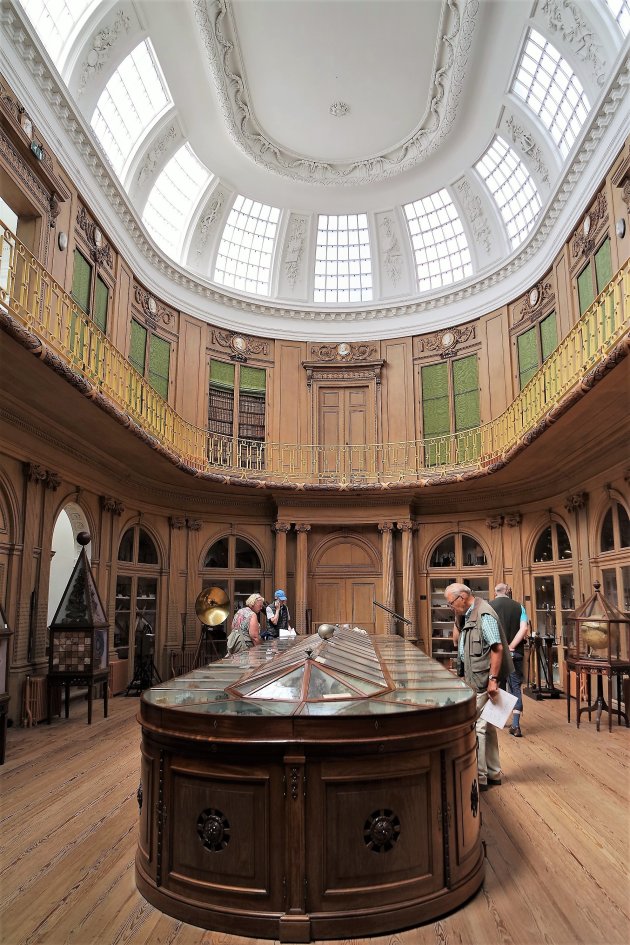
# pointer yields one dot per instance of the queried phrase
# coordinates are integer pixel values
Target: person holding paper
(485, 658)
(514, 619)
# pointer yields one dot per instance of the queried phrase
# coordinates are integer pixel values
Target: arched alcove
(65, 550)
(346, 577)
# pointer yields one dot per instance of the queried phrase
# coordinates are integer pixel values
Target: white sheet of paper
(497, 712)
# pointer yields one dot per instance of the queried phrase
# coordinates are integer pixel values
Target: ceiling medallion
(339, 109)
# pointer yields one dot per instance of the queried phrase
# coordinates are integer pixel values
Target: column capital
(385, 526)
(281, 527)
(407, 526)
(302, 527)
(177, 522)
(110, 504)
(33, 472)
(495, 521)
(512, 519)
(576, 501)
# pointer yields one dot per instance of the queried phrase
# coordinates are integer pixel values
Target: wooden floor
(556, 831)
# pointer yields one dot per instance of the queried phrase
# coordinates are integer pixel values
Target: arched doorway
(346, 579)
(65, 551)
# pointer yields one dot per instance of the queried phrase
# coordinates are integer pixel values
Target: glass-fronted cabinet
(136, 597)
(459, 558)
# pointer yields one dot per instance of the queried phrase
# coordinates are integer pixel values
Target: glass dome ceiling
(430, 159)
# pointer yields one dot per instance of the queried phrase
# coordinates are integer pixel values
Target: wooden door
(344, 422)
(344, 600)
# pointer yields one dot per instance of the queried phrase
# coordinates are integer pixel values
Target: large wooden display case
(442, 646)
(310, 789)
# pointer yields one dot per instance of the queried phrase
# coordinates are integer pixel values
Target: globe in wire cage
(597, 630)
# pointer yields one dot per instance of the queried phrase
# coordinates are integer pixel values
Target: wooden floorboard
(557, 834)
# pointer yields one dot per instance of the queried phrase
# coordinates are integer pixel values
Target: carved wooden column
(409, 580)
(25, 624)
(111, 509)
(295, 924)
(387, 551)
(301, 566)
(51, 481)
(280, 560)
(495, 526)
(513, 521)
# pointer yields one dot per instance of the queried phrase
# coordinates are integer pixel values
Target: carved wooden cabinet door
(345, 419)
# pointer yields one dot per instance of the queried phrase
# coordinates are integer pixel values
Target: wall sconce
(37, 150)
(62, 241)
(620, 228)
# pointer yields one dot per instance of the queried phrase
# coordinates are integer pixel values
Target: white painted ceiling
(423, 86)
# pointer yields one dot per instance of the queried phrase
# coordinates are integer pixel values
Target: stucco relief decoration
(100, 250)
(473, 208)
(576, 501)
(565, 18)
(208, 221)
(253, 346)
(537, 300)
(152, 310)
(224, 60)
(101, 48)
(392, 254)
(154, 154)
(347, 351)
(369, 374)
(110, 504)
(526, 143)
(294, 251)
(513, 519)
(446, 342)
(586, 236)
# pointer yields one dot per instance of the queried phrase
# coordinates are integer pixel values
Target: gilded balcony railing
(31, 297)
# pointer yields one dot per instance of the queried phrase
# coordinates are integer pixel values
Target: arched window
(614, 547)
(455, 558)
(233, 564)
(553, 581)
(136, 587)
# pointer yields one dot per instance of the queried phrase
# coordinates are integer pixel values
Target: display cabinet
(442, 646)
(357, 813)
(5, 635)
(136, 597)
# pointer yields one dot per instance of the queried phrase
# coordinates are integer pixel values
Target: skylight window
(548, 85)
(246, 249)
(133, 98)
(343, 261)
(620, 9)
(439, 243)
(513, 189)
(55, 21)
(172, 199)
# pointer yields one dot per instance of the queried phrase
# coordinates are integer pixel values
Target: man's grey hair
(502, 590)
(458, 589)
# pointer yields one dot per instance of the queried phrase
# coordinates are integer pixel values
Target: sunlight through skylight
(246, 249)
(54, 21)
(343, 261)
(513, 189)
(173, 198)
(133, 98)
(620, 9)
(439, 243)
(548, 85)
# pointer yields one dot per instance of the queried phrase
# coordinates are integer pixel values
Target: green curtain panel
(253, 379)
(466, 393)
(159, 362)
(548, 335)
(603, 266)
(138, 346)
(586, 293)
(222, 374)
(527, 348)
(81, 281)
(101, 302)
(435, 405)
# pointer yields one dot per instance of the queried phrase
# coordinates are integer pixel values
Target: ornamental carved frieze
(446, 343)
(576, 501)
(370, 372)
(155, 154)
(391, 253)
(100, 48)
(27, 133)
(526, 143)
(585, 238)
(294, 249)
(152, 310)
(539, 299)
(343, 353)
(565, 18)
(476, 214)
(241, 344)
(209, 219)
(110, 504)
(100, 249)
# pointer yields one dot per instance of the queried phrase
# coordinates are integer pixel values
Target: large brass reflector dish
(212, 606)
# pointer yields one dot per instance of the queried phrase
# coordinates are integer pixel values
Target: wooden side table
(599, 669)
(90, 680)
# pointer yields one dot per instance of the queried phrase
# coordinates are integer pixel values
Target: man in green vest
(485, 658)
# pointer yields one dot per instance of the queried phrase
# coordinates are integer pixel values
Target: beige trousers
(488, 763)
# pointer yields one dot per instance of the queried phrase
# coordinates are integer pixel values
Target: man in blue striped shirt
(480, 650)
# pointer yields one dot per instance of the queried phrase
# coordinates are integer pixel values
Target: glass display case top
(351, 673)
